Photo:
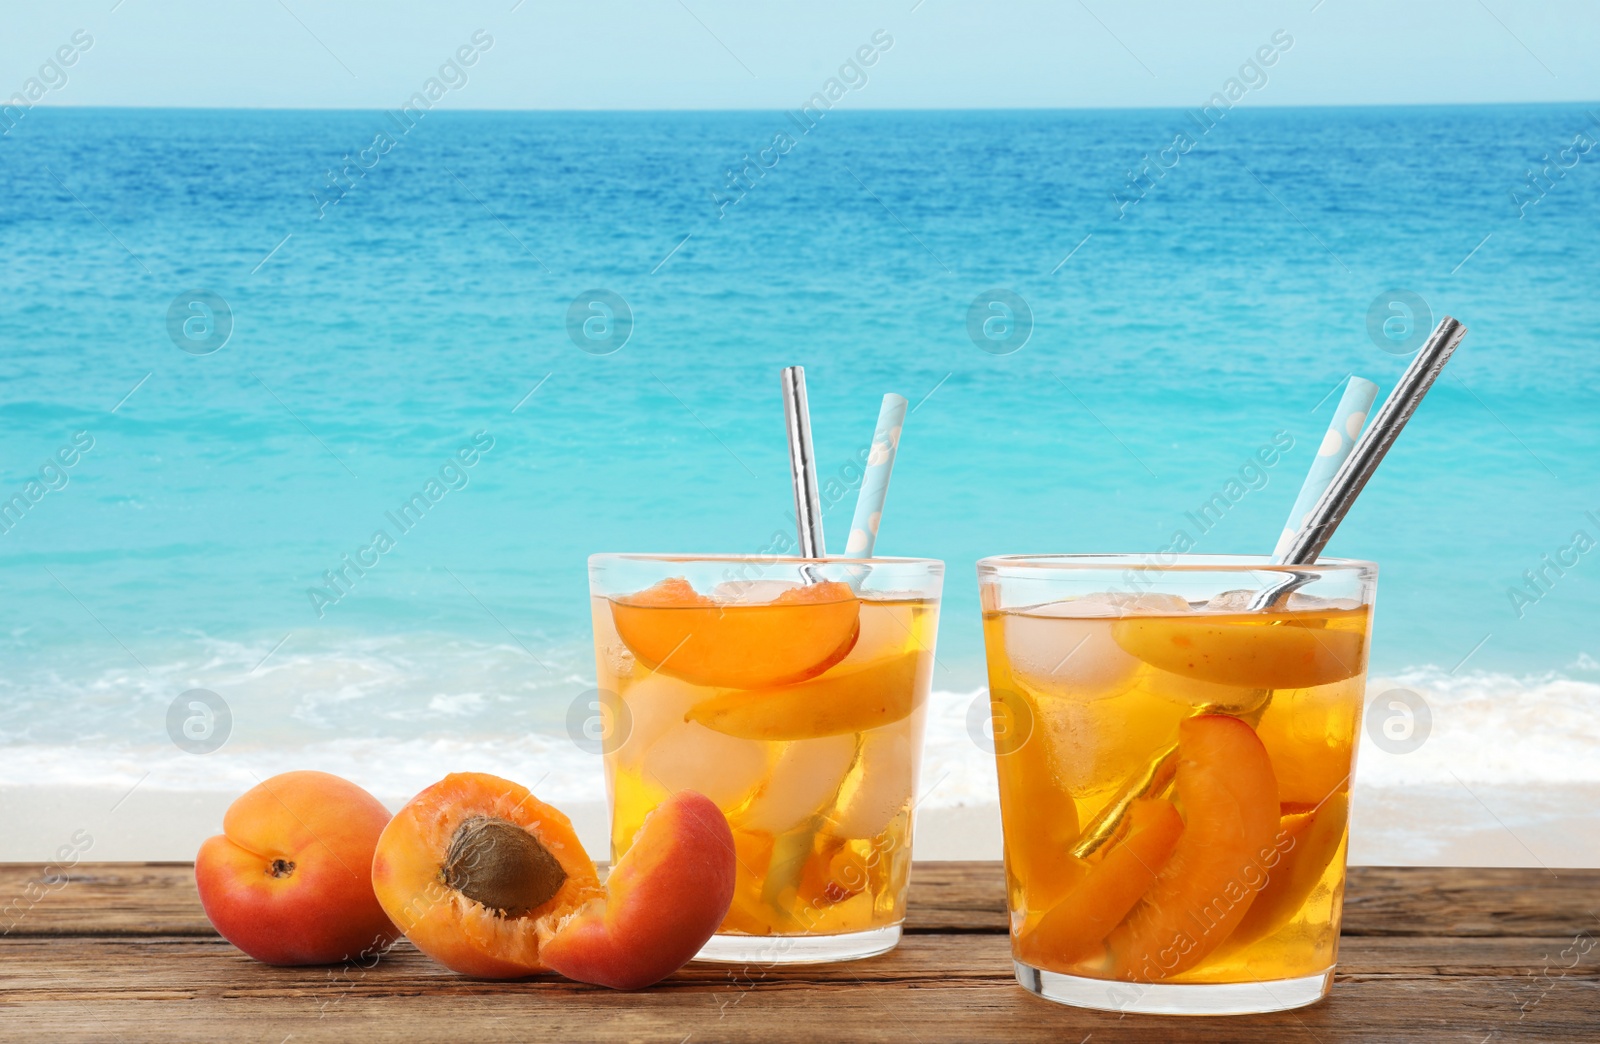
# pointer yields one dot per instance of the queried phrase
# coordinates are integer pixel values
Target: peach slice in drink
(1310, 738)
(1040, 821)
(1229, 799)
(1309, 838)
(849, 700)
(1249, 650)
(1083, 917)
(802, 632)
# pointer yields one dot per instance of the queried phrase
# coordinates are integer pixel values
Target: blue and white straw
(1343, 430)
(875, 481)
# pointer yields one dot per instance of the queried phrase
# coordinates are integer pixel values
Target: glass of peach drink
(1175, 774)
(792, 692)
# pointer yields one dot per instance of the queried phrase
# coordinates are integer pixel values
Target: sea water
(344, 420)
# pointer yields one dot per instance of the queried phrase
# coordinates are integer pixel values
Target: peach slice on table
(850, 700)
(1309, 838)
(674, 629)
(1249, 650)
(664, 899)
(1082, 918)
(1229, 799)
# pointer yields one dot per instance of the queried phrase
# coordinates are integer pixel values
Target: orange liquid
(813, 765)
(1245, 725)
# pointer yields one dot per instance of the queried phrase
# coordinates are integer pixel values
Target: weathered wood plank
(160, 899)
(1467, 901)
(45, 965)
(1429, 955)
(1466, 1010)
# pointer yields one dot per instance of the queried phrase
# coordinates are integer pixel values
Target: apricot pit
(499, 864)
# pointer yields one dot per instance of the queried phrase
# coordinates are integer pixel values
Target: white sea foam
(373, 719)
(1490, 728)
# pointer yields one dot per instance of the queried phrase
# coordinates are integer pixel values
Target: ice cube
(803, 782)
(878, 788)
(655, 705)
(1066, 655)
(690, 756)
(1229, 602)
(1301, 602)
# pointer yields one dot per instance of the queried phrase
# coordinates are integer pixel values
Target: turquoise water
(369, 344)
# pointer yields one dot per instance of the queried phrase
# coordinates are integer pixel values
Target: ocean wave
(1489, 727)
(1484, 728)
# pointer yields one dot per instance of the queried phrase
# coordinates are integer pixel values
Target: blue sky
(738, 54)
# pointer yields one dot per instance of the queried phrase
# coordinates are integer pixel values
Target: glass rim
(602, 557)
(1175, 562)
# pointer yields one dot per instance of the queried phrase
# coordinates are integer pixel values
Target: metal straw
(1369, 451)
(802, 464)
(1309, 541)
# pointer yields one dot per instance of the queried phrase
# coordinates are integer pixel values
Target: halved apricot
(1107, 891)
(1229, 800)
(1250, 650)
(473, 866)
(663, 900)
(850, 700)
(802, 632)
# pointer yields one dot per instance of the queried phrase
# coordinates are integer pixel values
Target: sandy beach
(1434, 825)
(1488, 785)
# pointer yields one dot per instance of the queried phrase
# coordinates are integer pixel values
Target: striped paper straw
(1343, 430)
(875, 481)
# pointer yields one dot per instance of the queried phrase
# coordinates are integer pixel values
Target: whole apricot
(288, 880)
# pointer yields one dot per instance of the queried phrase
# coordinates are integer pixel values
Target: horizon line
(756, 110)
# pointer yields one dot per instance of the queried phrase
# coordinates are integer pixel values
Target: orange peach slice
(473, 867)
(288, 880)
(663, 901)
(853, 699)
(1230, 805)
(1309, 839)
(1085, 915)
(1311, 743)
(1039, 821)
(1255, 650)
(673, 629)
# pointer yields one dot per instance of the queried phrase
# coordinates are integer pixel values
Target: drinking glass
(791, 692)
(1175, 774)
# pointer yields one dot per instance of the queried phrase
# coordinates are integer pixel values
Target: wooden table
(121, 951)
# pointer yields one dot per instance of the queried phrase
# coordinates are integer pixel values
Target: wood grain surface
(122, 951)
